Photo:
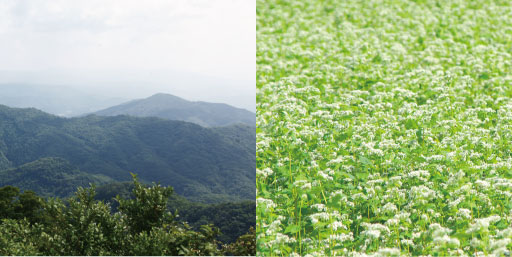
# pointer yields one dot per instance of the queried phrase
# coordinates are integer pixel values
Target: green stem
(398, 239)
(290, 161)
(300, 226)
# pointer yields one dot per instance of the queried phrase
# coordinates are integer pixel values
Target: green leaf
(292, 229)
(365, 161)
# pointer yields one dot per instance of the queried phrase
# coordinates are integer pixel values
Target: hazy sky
(103, 44)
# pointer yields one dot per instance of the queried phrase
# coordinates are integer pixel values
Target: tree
(8, 195)
(244, 245)
(14, 205)
(30, 206)
(148, 209)
(15, 238)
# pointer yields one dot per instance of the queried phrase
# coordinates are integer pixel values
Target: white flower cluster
(264, 173)
(482, 224)
(268, 203)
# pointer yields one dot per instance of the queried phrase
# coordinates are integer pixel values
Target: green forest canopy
(82, 225)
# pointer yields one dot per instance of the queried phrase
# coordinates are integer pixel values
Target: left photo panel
(127, 128)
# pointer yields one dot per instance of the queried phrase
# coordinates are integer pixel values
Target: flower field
(384, 127)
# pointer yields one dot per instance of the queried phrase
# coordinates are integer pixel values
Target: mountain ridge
(172, 107)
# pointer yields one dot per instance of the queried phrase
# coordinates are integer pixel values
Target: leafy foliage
(15, 238)
(244, 245)
(233, 219)
(147, 209)
(85, 226)
(16, 205)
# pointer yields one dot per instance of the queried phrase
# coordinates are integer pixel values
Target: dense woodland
(140, 224)
(53, 155)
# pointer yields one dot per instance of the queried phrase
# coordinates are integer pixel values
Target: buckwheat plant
(384, 127)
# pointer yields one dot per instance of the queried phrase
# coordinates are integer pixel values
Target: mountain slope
(174, 108)
(50, 177)
(202, 164)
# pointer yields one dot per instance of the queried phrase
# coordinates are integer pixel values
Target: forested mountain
(174, 108)
(202, 164)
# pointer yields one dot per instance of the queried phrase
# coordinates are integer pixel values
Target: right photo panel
(384, 128)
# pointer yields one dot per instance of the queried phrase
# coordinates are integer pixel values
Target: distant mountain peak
(165, 96)
(172, 107)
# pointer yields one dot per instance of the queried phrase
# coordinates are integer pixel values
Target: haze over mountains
(54, 99)
(171, 107)
(71, 101)
(129, 84)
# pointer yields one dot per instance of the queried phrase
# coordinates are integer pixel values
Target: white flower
(374, 230)
(446, 240)
(422, 192)
(342, 237)
(336, 225)
(323, 216)
(464, 213)
(389, 208)
(407, 242)
(319, 207)
(324, 175)
(418, 173)
(372, 233)
(483, 184)
(505, 233)
(265, 172)
(438, 230)
(268, 203)
(483, 224)
(392, 222)
(387, 252)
